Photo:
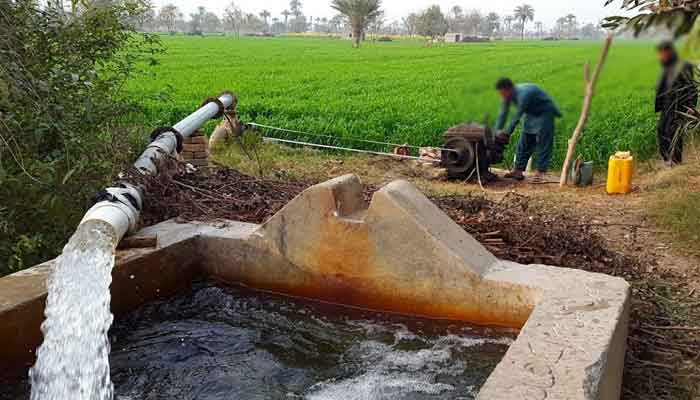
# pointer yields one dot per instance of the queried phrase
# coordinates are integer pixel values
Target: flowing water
(229, 342)
(233, 343)
(73, 361)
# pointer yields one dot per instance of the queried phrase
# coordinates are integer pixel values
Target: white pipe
(119, 211)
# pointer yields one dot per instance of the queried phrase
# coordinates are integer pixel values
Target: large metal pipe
(120, 206)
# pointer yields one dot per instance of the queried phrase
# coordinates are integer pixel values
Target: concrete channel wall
(402, 254)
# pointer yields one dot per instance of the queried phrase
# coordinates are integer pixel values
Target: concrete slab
(402, 254)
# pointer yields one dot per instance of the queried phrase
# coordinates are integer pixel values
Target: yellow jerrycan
(620, 171)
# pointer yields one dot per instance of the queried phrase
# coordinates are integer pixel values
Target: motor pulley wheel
(458, 156)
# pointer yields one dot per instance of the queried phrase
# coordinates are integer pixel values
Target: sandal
(518, 176)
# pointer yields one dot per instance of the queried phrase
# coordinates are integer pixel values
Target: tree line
(432, 22)
(235, 20)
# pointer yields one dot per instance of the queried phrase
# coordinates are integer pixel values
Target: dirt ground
(526, 223)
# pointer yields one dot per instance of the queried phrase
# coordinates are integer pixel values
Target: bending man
(539, 112)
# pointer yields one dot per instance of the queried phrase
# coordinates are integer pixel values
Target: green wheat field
(403, 91)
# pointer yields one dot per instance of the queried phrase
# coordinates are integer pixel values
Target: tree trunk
(356, 31)
(586, 109)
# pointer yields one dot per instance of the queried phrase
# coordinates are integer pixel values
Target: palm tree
(286, 14)
(295, 6)
(524, 13)
(508, 21)
(561, 24)
(336, 22)
(493, 21)
(359, 13)
(456, 12)
(538, 27)
(264, 14)
(456, 19)
(571, 24)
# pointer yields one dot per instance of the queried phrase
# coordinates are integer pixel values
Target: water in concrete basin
(232, 343)
(73, 361)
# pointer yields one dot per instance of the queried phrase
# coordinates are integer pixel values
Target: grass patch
(679, 212)
(401, 91)
(675, 205)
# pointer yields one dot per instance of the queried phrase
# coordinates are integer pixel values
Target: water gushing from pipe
(73, 361)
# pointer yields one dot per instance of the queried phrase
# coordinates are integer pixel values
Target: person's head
(506, 88)
(666, 52)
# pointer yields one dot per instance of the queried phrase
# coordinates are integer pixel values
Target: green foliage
(60, 100)
(679, 16)
(251, 144)
(432, 22)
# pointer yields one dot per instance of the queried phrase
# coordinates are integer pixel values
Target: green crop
(402, 91)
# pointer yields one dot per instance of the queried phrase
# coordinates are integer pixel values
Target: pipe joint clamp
(168, 129)
(125, 197)
(219, 103)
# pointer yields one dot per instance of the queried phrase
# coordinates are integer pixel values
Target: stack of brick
(195, 149)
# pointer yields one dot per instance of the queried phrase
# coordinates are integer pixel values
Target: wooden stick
(586, 110)
(138, 242)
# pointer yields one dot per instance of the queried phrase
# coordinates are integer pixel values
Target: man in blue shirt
(538, 112)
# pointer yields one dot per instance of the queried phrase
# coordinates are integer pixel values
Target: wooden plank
(138, 242)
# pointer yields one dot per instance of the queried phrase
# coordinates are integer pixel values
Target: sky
(547, 11)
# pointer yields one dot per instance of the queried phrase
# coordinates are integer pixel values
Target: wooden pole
(590, 83)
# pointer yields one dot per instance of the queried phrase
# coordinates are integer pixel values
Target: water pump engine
(469, 146)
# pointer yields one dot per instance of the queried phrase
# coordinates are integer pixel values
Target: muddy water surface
(233, 343)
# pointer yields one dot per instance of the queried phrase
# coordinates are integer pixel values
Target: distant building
(462, 38)
(453, 37)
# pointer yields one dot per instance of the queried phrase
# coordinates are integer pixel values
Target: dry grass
(674, 204)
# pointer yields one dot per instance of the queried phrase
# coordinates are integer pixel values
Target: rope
(338, 138)
(326, 146)
(478, 168)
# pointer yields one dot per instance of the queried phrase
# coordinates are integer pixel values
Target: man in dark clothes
(539, 112)
(675, 93)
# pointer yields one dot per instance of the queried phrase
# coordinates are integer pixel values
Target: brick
(199, 163)
(194, 147)
(198, 132)
(187, 154)
(201, 155)
(197, 140)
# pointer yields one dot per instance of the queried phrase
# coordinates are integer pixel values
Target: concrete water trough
(402, 255)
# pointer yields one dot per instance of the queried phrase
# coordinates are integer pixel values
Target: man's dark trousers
(537, 135)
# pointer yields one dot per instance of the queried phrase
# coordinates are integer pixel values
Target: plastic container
(620, 171)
